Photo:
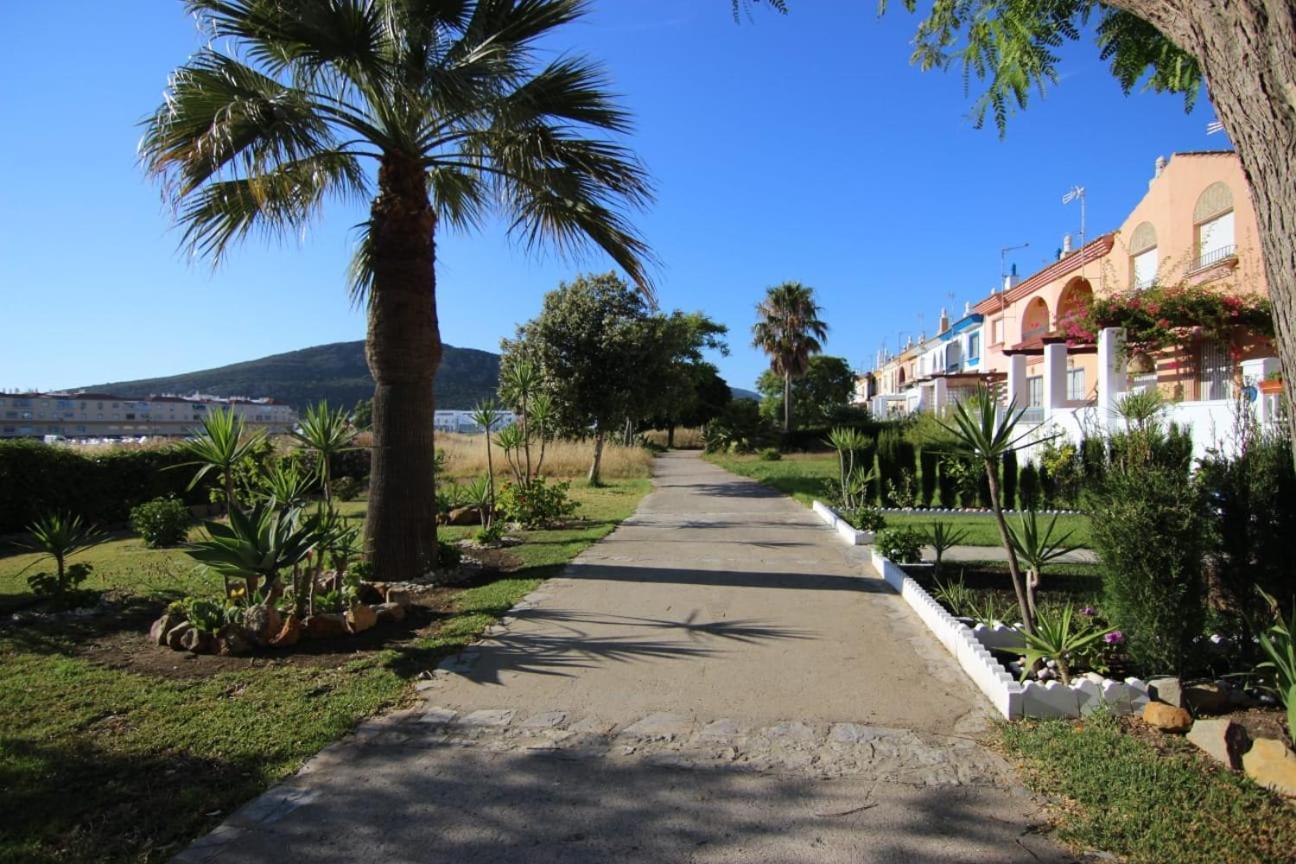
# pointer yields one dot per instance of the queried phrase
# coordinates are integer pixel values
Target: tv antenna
(1213, 127)
(1072, 194)
(1003, 260)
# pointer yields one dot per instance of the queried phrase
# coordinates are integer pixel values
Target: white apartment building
(101, 415)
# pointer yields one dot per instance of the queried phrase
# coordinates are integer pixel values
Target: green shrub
(865, 519)
(37, 478)
(927, 474)
(161, 522)
(537, 504)
(901, 545)
(1008, 487)
(205, 615)
(740, 428)
(947, 483)
(448, 555)
(770, 454)
(1147, 530)
(346, 488)
(1029, 491)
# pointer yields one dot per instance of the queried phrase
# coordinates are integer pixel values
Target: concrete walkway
(718, 681)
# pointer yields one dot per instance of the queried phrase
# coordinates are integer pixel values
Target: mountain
(740, 393)
(336, 372)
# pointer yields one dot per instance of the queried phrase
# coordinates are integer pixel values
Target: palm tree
(325, 433)
(790, 331)
(435, 113)
(222, 443)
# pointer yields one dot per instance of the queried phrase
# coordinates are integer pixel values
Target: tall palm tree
(434, 112)
(790, 331)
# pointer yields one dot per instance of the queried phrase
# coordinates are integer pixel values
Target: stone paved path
(719, 681)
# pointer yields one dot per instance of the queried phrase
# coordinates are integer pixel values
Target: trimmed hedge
(37, 478)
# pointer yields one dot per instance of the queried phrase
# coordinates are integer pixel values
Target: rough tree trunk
(598, 456)
(1245, 50)
(403, 350)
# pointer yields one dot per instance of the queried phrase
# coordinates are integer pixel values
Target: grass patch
(1148, 800)
(807, 476)
(110, 765)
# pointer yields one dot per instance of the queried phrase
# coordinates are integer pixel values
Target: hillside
(336, 372)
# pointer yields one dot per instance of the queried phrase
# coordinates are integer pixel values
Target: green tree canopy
(826, 387)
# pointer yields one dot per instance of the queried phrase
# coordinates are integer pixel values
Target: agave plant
(943, 536)
(221, 443)
(60, 536)
(1278, 642)
(326, 433)
(1035, 547)
(1059, 637)
(256, 546)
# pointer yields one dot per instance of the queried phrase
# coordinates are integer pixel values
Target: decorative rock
(162, 626)
(1089, 694)
(659, 726)
(369, 592)
(327, 626)
(262, 623)
(1167, 718)
(360, 618)
(1051, 699)
(1167, 690)
(233, 641)
(174, 635)
(401, 596)
(1272, 765)
(464, 516)
(289, 634)
(197, 641)
(389, 612)
(1222, 739)
(1206, 698)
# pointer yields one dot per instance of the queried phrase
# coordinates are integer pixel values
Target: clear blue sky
(801, 147)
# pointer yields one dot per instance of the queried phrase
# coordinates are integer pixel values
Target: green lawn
(100, 763)
(807, 476)
(1148, 798)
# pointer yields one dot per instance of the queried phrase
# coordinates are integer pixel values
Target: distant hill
(336, 372)
(740, 393)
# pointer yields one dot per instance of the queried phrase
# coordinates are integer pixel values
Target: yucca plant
(542, 416)
(284, 483)
(480, 495)
(326, 433)
(437, 115)
(854, 482)
(221, 443)
(1035, 547)
(59, 536)
(1058, 636)
(1278, 642)
(510, 440)
(519, 384)
(979, 431)
(943, 536)
(487, 416)
(256, 546)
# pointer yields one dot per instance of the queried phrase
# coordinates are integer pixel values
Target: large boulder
(360, 618)
(1272, 765)
(1167, 718)
(327, 626)
(198, 641)
(464, 516)
(389, 612)
(176, 633)
(262, 623)
(164, 625)
(1221, 739)
(233, 641)
(1167, 690)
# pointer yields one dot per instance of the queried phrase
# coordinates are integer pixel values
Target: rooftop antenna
(1213, 127)
(1072, 194)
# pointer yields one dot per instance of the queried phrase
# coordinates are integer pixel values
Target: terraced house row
(102, 415)
(1193, 231)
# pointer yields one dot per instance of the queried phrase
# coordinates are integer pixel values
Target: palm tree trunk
(229, 489)
(490, 480)
(403, 350)
(787, 402)
(1014, 571)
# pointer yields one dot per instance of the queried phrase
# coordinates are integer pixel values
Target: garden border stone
(838, 523)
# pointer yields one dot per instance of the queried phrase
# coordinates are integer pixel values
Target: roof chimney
(1011, 280)
(1066, 246)
(1159, 167)
(967, 308)
(943, 324)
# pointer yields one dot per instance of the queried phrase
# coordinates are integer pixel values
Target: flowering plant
(1168, 317)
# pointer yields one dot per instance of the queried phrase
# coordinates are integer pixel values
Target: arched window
(1143, 256)
(1075, 299)
(953, 356)
(1035, 320)
(1213, 225)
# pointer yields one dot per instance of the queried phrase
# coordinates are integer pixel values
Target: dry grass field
(685, 439)
(466, 457)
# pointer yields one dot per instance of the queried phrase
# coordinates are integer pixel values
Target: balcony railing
(1034, 414)
(1214, 256)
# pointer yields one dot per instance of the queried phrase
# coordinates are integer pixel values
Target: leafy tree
(1240, 49)
(690, 391)
(789, 330)
(434, 112)
(362, 414)
(825, 387)
(591, 344)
